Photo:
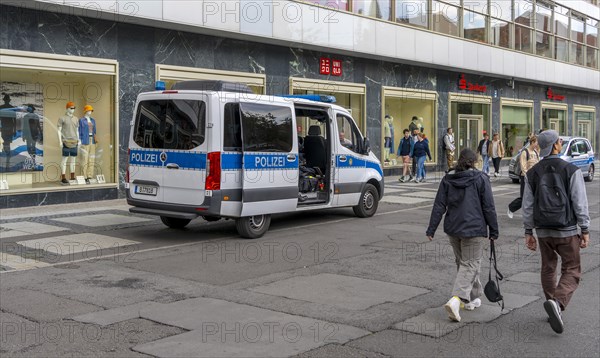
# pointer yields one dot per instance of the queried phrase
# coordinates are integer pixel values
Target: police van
(215, 150)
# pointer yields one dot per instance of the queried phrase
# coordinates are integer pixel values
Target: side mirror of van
(366, 147)
(575, 154)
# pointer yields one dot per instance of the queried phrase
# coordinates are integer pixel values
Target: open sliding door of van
(270, 158)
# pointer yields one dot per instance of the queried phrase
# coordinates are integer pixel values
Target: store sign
(330, 67)
(551, 95)
(468, 86)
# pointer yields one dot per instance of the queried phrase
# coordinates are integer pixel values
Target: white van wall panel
(323, 33)
(441, 50)
(385, 39)
(364, 35)
(256, 17)
(184, 11)
(405, 44)
(339, 34)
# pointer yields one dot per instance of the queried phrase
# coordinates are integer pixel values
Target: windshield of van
(170, 124)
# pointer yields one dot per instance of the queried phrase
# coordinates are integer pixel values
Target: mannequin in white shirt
(68, 127)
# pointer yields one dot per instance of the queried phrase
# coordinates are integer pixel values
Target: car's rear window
(170, 124)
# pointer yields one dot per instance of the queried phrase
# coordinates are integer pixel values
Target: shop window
(173, 74)
(402, 106)
(380, 9)
(412, 12)
(445, 18)
(584, 122)
(469, 120)
(500, 33)
(474, 26)
(554, 119)
(57, 127)
(516, 125)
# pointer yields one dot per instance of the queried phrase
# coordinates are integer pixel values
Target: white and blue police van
(215, 150)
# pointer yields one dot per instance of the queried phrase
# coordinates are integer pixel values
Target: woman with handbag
(465, 198)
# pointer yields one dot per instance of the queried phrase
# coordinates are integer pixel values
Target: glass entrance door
(555, 124)
(469, 129)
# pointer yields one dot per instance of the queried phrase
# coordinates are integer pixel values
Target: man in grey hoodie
(556, 229)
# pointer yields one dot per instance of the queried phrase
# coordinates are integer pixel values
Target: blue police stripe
(151, 158)
(354, 162)
(231, 161)
(270, 161)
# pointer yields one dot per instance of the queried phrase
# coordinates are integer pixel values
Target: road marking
(19, 263)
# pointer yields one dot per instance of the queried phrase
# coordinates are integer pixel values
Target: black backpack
(444, 142)
(552, 207)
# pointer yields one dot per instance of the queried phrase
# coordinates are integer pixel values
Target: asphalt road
(95, 280)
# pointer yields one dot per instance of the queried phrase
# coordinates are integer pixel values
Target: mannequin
(388, 136)
(68, 135)
(87, 138)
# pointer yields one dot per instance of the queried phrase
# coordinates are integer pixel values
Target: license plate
(146, 190)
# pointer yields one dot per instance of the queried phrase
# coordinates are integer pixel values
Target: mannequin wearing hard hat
(87, 137)
(68, 129)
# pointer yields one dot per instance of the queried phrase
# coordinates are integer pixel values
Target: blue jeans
(486, 164)
(421, 167)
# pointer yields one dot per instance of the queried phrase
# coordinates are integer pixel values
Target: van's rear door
(270, 158)
(168, 165)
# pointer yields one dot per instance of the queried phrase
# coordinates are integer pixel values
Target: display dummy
(68, 135)
(388, 136)
(87, 138)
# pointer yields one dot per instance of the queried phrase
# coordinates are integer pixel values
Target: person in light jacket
(496, 152)
(465, 198)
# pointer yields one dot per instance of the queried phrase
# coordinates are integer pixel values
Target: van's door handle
(172, 166)
(342, 158)
(291, 157)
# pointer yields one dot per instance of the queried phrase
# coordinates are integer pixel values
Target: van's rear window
(170, 124)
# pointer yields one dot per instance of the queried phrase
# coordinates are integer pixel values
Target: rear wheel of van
(253, 227)
(175, 223)
(369, 200)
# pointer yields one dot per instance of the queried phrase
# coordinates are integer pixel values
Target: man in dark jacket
(556, 229)
(465, 197)
(482, 149)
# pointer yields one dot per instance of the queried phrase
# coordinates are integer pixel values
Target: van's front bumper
(210, 207)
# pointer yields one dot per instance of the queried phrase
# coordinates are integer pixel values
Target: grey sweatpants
(468, 252)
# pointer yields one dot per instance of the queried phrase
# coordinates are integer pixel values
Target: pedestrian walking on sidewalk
(465, 198)
(554, 204)
(482, 149)
(420, 154)
(496, 152)
(405, 149)
(526, 160)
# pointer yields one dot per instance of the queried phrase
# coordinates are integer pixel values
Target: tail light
(213, 171)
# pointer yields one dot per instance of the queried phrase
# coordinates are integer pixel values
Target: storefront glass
(469, 120)
(47, 139)
(474, 26)
(445, 18)
(554, 119)
(584, 122)
(401, 110)
(500, 33)
(412, 12)
(516, 125)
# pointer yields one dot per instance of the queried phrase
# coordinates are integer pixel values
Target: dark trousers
(496, 162)
(568, 250)
(413, 172)
(518, 202)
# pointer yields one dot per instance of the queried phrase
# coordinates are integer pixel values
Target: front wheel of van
(253, 227)
(369, 200)
(175, 223)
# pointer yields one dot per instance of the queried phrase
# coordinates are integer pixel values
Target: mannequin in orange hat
(68, 135)
(87, 138)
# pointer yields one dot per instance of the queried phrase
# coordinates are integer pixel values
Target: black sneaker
(87, 181)
(553, 310)
(64, 182)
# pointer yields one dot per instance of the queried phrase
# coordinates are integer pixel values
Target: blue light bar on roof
(313, 97)
(160, 86)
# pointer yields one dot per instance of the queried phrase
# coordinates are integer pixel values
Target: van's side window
(349, 136)
(266, 128)
(232, 131)
(176, 124)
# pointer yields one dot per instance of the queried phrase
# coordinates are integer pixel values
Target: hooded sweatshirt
(466, 199)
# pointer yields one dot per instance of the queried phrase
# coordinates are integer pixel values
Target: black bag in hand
(492, 288)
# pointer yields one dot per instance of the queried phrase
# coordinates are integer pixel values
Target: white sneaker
(453, 308)
(554, 318)
(509, 213)
(495, 174)
(473, 304)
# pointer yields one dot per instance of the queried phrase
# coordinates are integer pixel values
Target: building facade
(508, 66)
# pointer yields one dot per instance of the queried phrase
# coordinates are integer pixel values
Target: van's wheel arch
(253, 227)
(175, 223)
(590, 176)
(368, 203)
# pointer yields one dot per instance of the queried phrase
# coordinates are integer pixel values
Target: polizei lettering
(269, 162)
(144, 158)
